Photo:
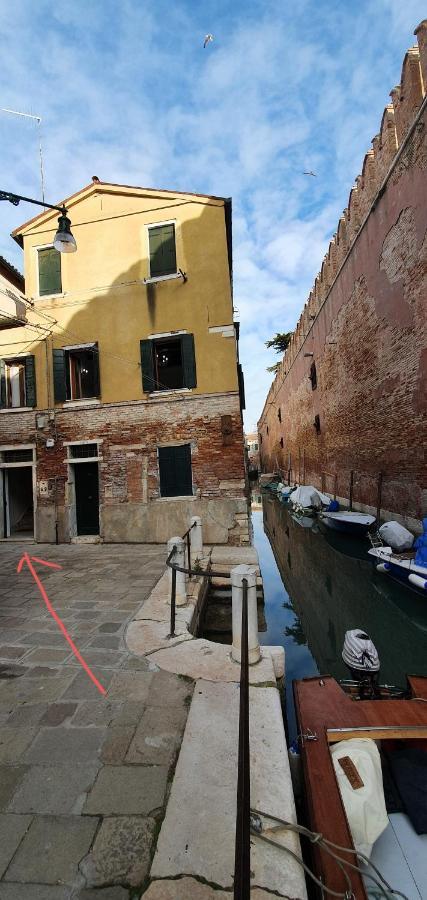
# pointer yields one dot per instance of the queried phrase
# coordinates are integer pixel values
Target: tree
(280, 342)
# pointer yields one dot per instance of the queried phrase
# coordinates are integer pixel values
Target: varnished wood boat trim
(377, 732)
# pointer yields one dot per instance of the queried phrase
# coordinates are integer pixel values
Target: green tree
(280, 342)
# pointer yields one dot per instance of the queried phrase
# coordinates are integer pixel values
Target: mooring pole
(350, 497)
(379, 496)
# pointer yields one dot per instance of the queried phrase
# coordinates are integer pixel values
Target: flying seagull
(310, 173)
(208, 39)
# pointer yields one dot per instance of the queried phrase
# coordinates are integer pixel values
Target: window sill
(49, 296)
(156, 278)
(170, 391)
(179, 497)
(16, 409)
(83, 402)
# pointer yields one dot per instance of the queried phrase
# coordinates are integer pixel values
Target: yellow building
(121, 397)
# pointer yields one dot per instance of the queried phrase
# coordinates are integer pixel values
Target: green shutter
(188, 360)
(241, 386)
(59, 382)
(2, 383)
(162, 250)
(96, 381)
(175, 471)
(49, 271)
(148, 382)
(30, 381)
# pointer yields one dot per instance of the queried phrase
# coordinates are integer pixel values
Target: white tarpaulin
(308, 496)
(364, 806)
(396, 536)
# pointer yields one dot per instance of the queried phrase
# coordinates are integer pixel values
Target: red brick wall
(129, 434)
(366, 331)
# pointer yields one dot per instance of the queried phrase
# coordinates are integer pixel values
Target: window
(260, 438)
(267, 429)
(83, 451)
(168, 363)
(313, 376)
(281, 442)
(316, 424)
(279, 414)
(161, 240)
(14, 456)
(76, 373)
(175, 471)
(17, 382)
(255, 447)
(50, 281)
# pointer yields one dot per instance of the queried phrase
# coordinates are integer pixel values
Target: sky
(127, 92)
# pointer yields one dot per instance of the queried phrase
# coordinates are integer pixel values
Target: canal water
(317, 585)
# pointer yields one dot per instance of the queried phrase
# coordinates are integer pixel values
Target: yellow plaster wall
(104, 300)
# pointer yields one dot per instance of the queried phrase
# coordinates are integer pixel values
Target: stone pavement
(84, 779)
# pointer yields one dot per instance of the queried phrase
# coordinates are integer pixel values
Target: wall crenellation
(396, 121)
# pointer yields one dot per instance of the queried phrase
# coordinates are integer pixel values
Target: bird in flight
(208, 39)
(310, 173)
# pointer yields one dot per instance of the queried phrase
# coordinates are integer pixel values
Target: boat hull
(345, 527)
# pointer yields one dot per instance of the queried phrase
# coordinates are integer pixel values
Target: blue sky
(127, 92)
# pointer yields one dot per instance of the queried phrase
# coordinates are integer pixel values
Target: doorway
(18, 502)
(86, 486)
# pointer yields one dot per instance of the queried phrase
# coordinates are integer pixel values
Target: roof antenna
(37, 119)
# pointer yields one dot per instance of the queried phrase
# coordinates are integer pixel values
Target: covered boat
(404, 567)
(347, 522)
(364, 767)
(308, 499)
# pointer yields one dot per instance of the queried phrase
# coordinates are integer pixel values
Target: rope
(324, 844)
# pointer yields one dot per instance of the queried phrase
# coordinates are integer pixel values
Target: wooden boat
(347, 522)
(401, 566)
(326, 714)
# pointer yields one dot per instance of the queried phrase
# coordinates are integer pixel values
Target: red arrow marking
(26, 559)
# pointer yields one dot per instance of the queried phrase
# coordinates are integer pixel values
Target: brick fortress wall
(364, 327)
(129, 435)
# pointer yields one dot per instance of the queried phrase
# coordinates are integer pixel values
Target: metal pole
(189, 553)
(351, 489)
(242, 860)
(379, 495)
(173, 598)
(335, 485)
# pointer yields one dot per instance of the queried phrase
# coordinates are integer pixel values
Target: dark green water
(317, 585)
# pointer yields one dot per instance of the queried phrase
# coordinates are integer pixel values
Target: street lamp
(63, 241)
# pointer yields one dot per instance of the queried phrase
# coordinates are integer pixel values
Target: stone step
(198, 832)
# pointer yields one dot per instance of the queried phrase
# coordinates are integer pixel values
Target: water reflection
(317, 586)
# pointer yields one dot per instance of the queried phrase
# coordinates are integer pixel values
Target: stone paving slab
(122, 790)
(51, 849)
(121, 852)
(12, 831)
(54, 789)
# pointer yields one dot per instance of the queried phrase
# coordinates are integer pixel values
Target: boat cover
(364, 806)
(308, 496)
(396, 536)
(409, 767)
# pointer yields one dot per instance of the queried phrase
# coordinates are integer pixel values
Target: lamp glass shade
(64, 241)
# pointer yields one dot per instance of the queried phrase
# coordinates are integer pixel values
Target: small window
(313, 376)
(175, 471)
(267, 429)
(50, 281)
(14, 456)
(279, 414)
(76, 373)
(168, 363)
(316, 424)
(281, 442)
(83, 451)
(260, 438)
(255, 446)
(18, 383)
(162, 250)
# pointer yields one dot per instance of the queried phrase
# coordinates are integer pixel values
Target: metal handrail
(242, 852)
(242, 840)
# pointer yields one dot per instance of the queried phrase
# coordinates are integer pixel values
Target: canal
(317, 585)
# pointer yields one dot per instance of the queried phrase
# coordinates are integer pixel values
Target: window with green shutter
(162, 250)
(168, 363)
(17, 382)
(49, 271)
(175, 471)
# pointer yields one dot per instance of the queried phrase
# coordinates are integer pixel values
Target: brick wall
(129, 435)
(364, 327)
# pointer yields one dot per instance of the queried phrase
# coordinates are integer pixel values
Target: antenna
(14, 112)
